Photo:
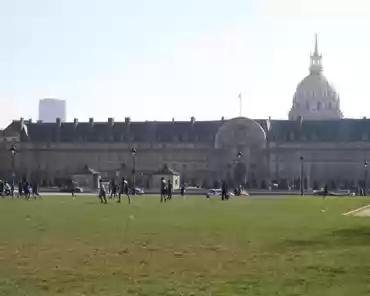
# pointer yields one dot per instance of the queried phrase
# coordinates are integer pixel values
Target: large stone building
(203, 152)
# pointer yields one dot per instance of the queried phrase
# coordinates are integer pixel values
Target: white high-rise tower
(51, 109)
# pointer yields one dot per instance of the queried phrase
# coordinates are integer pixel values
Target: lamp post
(365, 167)
(238, 156)
(301, 175)
(13, 151)
(133, 152)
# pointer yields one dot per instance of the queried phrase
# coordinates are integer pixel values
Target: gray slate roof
(343, 130)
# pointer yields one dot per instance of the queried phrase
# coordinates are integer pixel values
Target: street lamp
(365, 167)
(133, 152)
(238, 156)
(13, 151)
(301, 175)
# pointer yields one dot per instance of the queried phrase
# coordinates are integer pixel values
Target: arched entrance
(247, 137)
(240, 174)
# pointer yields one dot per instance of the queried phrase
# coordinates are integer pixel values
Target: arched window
(318, 105)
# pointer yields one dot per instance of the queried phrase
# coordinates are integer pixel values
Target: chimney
(268, 123)
(58, 121)
(39, 121)
(127, 120)
(75, 122)
(91, 121)
(110, 121)
(222, 118)
(192, 119)
(173, 119)
(30, 120)
(21, 121)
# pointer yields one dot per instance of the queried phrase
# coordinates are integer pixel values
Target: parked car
(244, 193)
(68, 189)
(138, 191)
(217, 192)
(322, 193)
(7, 189)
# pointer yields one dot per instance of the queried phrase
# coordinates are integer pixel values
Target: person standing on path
(182, 190)
(1, 188)
(113, 189)
(224, 190)
(26, 189)
(35, 190)
(169, 190)
(73, 190)
(325, 191)
(163, 190)
(20, 189)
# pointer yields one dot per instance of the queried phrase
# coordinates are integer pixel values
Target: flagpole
(240, 105)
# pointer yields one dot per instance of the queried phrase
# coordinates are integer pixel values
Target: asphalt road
(262, 193)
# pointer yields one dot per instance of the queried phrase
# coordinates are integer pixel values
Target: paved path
(363, 213)
(66, 194)
(360, 212)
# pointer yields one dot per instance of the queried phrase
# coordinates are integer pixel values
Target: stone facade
(202, 152)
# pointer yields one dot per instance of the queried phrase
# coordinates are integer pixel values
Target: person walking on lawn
(124, 189)
(102, 192)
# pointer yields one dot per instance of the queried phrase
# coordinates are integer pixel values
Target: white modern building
(51, 109)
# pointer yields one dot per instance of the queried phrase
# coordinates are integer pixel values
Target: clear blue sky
(178, 58)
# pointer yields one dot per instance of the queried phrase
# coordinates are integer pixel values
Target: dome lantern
(316, 58)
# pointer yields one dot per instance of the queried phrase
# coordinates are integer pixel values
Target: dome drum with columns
(315, 98)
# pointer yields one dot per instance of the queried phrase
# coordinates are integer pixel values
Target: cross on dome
(316, 66)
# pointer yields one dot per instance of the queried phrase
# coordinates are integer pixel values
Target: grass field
(188, 246)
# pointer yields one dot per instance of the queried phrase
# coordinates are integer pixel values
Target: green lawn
(185, 247)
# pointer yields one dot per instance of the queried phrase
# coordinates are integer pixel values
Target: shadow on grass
(296, 243)
(271, 198)
(359, 236)
(352, 236)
